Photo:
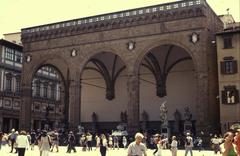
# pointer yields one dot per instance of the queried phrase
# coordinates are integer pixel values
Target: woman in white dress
(45, 144)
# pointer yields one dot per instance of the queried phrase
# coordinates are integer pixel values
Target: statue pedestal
(187, 126)
(165, 131)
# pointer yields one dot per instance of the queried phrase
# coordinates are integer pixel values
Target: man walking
(137, 148)
(188, 145)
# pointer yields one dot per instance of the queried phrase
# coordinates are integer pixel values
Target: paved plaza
(121, 152)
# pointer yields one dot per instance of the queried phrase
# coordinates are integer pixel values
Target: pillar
(133, 104)
(202, 102)
(26, 111)
(74, 104)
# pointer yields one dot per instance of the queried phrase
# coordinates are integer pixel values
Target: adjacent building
(228, 49)
(45, 90)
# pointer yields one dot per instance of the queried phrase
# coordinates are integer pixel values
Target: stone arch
(54, 60)
(109, 78)
(107, 94)
(93, 52)
(154, 44)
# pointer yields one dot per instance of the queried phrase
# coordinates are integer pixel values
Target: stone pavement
(121, 152)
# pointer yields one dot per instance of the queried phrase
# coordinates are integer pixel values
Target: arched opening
(103, 92)
(49, 103)
(167, 75)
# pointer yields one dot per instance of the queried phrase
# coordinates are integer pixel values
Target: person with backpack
(188, 144)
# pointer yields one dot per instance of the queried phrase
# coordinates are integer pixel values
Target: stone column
(26, 111)
(74, 104)
(202, 101)
(133, 104)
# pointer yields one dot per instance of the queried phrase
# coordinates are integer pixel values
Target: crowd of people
(49, 141)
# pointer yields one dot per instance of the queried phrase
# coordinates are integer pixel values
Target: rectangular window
(18, 84)
(229, 67)
(45, 89)
(38, 89)
(18, 57)
(53, 92)
(230, 95)
(227, 42)
(9, 84)
(9, 53)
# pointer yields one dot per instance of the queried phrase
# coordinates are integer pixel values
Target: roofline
(228, 32)
(109, 13)
(13, 33)
(11, 45)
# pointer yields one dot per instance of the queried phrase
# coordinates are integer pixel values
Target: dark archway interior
(49, 102)
(167, 73)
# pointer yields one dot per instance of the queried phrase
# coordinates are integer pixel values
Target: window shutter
(236, 96)
(224, 97)
(223, 69)
(235, 67)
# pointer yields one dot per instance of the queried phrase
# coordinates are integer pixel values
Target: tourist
(83, 141)
(97, 138)
(199, 144)
(33, 139)
(110, 142)
(228, 148)
(115, 142)
(188, 145)
(237, 141)
(216, 144)
(174, 145)
(22, 143)
(12, 137)
(55, 140)
(71, 142)
(89, 141)
(158, 145)
(137, 148)
(1, 138)
(103, 145)
(124, 141)
(45, 143)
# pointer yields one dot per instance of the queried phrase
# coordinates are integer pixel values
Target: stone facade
(147, 28)
(228, 49)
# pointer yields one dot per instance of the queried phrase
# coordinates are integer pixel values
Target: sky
(18, 14)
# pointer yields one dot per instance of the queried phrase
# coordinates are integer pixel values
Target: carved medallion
(131, 45)
(194, 38)
(28, 58)
(74, 52)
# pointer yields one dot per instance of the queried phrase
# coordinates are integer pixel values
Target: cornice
(165, 13)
